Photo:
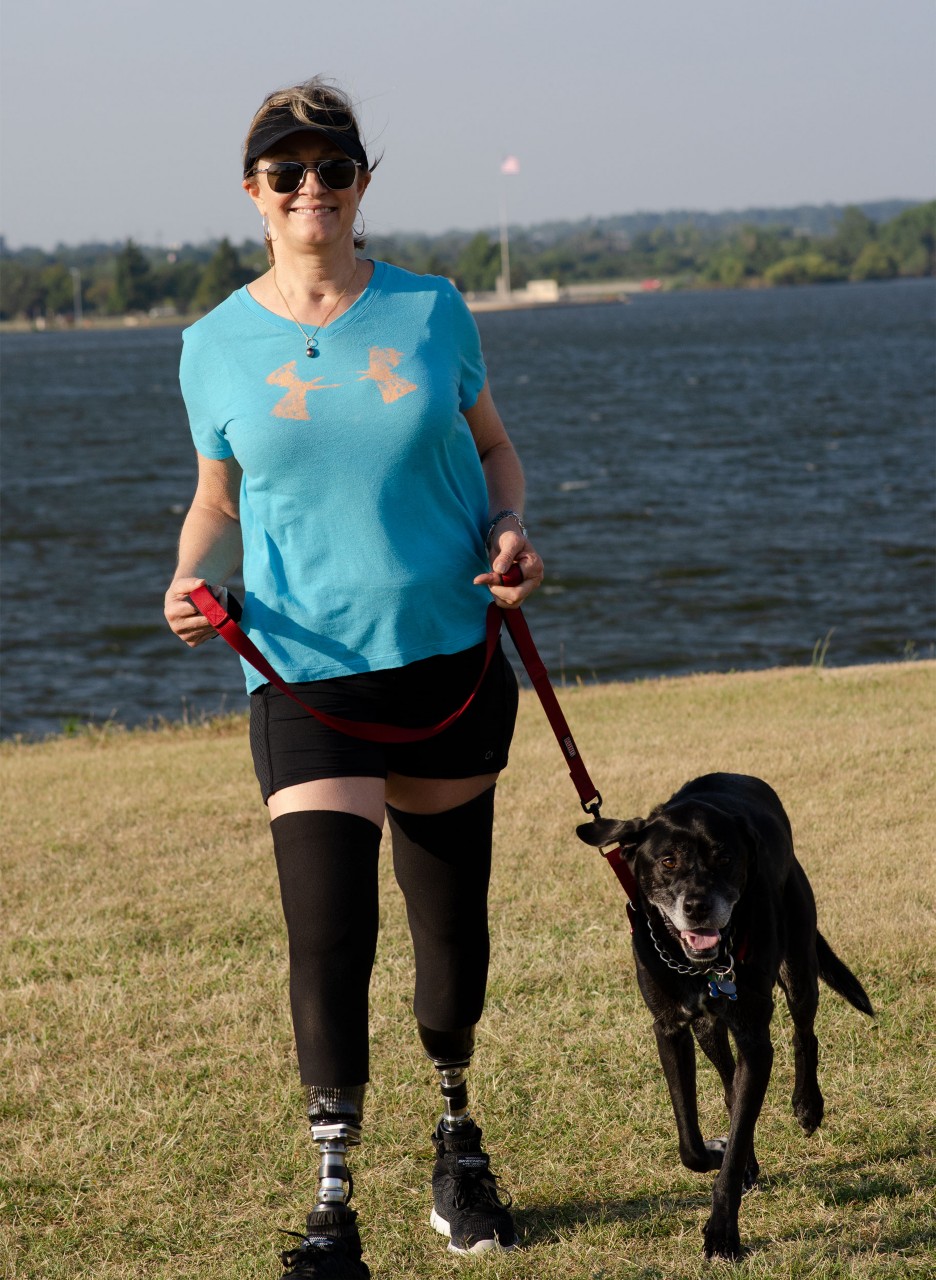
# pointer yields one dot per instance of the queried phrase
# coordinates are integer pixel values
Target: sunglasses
(286, 176)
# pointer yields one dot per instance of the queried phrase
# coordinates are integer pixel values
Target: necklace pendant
(311, 348)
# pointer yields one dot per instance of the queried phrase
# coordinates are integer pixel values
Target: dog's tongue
(700, 941)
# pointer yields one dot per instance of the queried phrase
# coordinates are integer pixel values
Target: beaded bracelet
(502, 515)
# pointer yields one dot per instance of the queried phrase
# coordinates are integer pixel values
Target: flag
(510, 164)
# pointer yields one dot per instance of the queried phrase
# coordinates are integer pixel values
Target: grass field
(152, 1123)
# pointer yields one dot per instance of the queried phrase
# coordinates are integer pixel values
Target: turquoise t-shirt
(363, 503)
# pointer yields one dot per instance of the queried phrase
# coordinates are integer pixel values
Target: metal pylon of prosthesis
(334, 1141)
(450, 1053)
(454, 1085)
(335, 1124)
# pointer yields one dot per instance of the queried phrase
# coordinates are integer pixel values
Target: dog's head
(690, 861)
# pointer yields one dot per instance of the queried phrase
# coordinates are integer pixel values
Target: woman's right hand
(184, 619)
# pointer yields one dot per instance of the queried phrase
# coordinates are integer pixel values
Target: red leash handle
(205, 602)
(224, 624)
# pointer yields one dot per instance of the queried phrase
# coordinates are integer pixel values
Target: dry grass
(152, 1121)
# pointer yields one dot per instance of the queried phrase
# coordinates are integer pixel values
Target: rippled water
(716, 481)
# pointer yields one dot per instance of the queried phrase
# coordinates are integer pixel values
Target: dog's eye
(668, 861)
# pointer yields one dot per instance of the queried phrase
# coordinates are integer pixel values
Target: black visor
(337, 126)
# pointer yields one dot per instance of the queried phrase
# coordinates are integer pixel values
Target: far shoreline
(606, 293)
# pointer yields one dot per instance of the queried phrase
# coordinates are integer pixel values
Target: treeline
(701, 251)
(117, 280)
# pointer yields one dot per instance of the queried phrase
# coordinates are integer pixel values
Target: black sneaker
(467, 1207)
(329, 1250)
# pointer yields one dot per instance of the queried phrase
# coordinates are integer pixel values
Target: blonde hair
(306, 103)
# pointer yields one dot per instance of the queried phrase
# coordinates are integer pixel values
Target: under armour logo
(383, 360)
(293, 403)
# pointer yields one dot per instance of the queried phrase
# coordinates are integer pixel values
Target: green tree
(175, 284)
(760, 247)
(58, 289)
(855, 230)
(478, 264)
(911, 239)
(727, 267)
(132, 289)
(221, 276)
(873, 263)
(804, 268)
(21, 293)
(99, 292)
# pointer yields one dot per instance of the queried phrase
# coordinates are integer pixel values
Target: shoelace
(307, 1250)
(478, 1191)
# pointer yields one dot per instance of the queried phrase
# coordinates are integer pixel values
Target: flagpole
(509, 165)
(504, 247)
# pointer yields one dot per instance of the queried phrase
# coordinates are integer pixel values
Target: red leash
(224, 624)
(588, 793)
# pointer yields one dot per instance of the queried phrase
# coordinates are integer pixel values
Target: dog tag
(722, 987)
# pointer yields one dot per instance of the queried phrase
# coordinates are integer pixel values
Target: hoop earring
(265, 223)
(354, 230)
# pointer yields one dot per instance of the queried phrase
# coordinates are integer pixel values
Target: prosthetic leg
(327, 864)
(442, 863)
(331, 1245)
(466, 1204)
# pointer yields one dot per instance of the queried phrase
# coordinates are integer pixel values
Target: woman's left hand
(507, 549)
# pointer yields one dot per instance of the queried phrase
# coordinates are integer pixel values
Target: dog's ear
(604, 831)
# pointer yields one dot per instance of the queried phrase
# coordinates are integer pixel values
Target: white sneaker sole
(439, 1224)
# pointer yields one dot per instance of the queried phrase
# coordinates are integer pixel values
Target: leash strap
(618, 864)
(225, 625)
(536, 670)
(589, 795)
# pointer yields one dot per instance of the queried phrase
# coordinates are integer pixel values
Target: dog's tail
(840, 978)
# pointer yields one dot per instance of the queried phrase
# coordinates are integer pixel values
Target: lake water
(716, 481)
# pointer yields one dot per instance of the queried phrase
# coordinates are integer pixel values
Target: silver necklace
(310, 338)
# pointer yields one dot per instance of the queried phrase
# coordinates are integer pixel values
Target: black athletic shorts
(290, 746)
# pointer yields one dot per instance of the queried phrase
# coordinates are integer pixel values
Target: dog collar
(720, 977)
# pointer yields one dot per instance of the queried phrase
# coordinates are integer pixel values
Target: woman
(350, 454)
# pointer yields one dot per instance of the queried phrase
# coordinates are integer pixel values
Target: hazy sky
(126, 117)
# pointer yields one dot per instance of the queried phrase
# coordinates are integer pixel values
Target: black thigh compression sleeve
(442, 863)
(327, 864)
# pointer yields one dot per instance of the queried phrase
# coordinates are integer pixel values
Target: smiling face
(313, 216)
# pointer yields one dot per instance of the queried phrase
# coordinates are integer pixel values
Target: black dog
(723, 912)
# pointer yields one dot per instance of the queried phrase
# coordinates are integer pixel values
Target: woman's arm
(210, 547)
(505, 485)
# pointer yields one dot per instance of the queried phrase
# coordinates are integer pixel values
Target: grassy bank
(152, 1122)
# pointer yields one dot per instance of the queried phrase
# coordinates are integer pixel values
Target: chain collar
(720, 977)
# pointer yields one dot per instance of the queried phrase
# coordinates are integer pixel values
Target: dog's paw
(809, 1110)
(722, 1240)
